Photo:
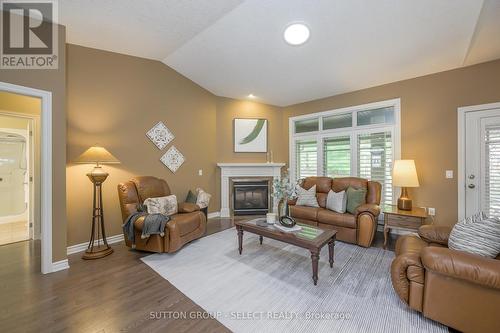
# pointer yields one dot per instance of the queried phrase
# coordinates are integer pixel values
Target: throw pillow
(307, 197)
(203, 198)
(336, 201)
(477, 235)
(191, 197)
(162, 205)
(355, 198)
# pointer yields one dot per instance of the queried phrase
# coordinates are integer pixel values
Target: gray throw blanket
(154, 224)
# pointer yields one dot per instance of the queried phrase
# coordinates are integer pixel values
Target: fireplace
(250, 196)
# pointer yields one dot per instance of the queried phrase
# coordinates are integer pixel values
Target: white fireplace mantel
(229, 170)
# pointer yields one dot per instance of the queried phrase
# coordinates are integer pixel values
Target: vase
(282, 207)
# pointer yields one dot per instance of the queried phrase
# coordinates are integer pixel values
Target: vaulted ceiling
(234, 48)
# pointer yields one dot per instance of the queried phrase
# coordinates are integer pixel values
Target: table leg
(260, 239)
(386, 231)
(315, 259)
(331, 244)
(240, 239)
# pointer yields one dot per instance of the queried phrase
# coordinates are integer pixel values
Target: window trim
(353, 131)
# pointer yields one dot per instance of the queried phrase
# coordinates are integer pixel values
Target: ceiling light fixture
(296, 34)
(252, 96)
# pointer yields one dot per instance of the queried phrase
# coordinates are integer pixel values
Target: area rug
(269, 287)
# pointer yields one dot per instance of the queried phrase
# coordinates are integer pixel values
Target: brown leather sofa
(458, 289)
(189, 224)
(358, 228)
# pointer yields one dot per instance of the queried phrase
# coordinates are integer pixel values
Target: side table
(395, 218)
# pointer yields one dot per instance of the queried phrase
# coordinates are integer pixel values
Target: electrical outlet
(431, 211)
(200, 172)
(449, 174)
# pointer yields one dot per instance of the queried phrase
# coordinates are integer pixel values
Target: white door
(482, 162)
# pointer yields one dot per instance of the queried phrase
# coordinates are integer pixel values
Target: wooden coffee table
(309, 238)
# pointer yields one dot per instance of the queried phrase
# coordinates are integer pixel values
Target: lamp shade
(97, 155)
(404, 174)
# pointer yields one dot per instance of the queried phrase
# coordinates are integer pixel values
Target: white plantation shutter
(492, 174)
(375, 161)
(337, 156)
(307, 158)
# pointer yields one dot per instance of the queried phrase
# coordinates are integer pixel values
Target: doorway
(479, 160)
(45, 170)
(17, 204)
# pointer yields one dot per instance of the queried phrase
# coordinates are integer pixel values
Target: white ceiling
(234, 48)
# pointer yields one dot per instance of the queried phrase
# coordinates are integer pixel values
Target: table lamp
(97, 176)
(404, 174)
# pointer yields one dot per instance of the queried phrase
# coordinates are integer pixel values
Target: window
(375, 160)
(337, 158)
(360, 141)
(308, 125)
(492, 179)
(307, 158)
(337, 121)
(376, 116)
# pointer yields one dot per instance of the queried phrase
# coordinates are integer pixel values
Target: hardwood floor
(117, 293)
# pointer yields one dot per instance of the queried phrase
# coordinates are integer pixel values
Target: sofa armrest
(187, 207)
(399, 273)
(368, 208)
(292, 202)
(435, 233)
(462, 265)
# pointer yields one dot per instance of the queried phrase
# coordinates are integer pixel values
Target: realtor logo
(29, 34)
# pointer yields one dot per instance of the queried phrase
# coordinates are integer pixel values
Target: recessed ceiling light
(296, 34)
(252, 96)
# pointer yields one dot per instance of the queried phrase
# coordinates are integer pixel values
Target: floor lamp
(97, 176)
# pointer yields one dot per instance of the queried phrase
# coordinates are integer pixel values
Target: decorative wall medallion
(160, 135)
(172, 159)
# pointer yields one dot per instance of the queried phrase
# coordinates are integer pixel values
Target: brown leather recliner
(358, 228)
(189, 224)
(458, 289)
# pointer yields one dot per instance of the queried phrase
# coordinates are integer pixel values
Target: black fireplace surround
(250, 197)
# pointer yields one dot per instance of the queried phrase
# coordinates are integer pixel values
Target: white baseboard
(60, 265)
(83, 246)
(212, 215)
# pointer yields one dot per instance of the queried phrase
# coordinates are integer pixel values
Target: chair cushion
(307, 197)
(303, 212)
(333, 218)
(355, 198)
(336, 201)
(162, 205)
(481, 237)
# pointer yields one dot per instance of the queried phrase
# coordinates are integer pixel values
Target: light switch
(200, 172)
(449, 174)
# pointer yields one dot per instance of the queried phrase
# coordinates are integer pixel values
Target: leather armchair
(358, 228)
(188, 224)
(458, 289)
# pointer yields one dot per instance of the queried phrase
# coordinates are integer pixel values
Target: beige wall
(20, 103)
(113, 100)
(229, 109)
(55, 82)
(428, 124)
(13, 122)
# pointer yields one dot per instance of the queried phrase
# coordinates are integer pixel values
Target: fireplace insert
(250, 197)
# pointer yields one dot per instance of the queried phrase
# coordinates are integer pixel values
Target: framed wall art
(250, 135)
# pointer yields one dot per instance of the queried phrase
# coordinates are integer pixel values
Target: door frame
(462, 111)
(47, 266)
